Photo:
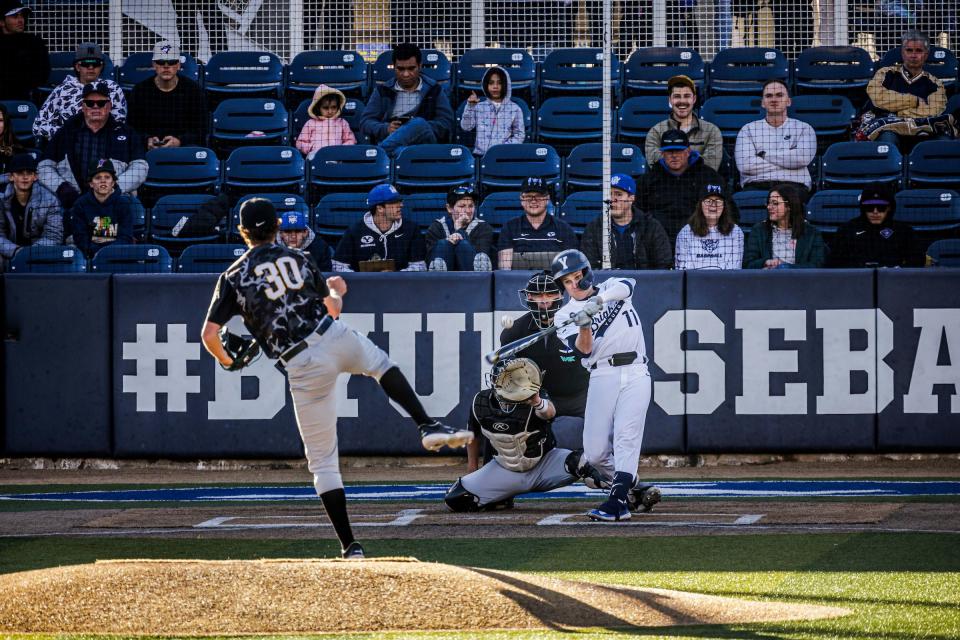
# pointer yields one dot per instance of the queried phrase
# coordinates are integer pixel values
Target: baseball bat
(512, 348)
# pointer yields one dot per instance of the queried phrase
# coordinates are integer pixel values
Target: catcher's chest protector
(520, 438)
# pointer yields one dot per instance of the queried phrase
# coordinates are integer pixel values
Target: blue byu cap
(383, 194)
(293, 221)
(624, 183)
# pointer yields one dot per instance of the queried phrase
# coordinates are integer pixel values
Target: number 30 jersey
(616, 328)
(279, 293)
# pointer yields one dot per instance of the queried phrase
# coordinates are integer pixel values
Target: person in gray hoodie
(498, 120)
(29, 214)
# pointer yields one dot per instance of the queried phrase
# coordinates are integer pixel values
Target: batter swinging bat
(512, 348)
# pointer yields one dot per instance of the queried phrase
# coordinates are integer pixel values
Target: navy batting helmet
(570, 261)
(550, 298)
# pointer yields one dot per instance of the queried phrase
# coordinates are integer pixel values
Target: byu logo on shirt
(710, 245)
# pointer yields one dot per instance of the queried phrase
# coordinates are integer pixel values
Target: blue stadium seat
(517, 62)
(435, 66)
(337, 211)
(506, 166)
(61, 65)
(342, 70)
(648, 69)
(953, 104)
(941, 63)
(944, 253)
(21, 115)
(234, 119)
(743, 70)
(830, 116)
(264, 169)
(843, 70)
(930, 211)
(139, 66)
(583, 168)
(848, 164)
(356, 168)
(752, 207)
(433, 167)
(132, 258)
(828, 210)
(352, 109)
(180, 170)
(172, 211)
(499, 207)
(242, 74)
(580, 208)
(577, 71)
(637, 116)
(424, 208)
(569, 121)
(139, 214)
(934, 163)
(731, 113)
(209, 258)
(48, 259)
(469, 138)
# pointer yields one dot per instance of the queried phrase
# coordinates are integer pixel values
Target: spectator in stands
(64, 102)
(297, 234)
(9, 144)
(26, 62)
(415, 110)
(669, 190)
(29, 214)
(705, 138)
(325, 128)
(530, 241)
(383, 240)
(875, 239)
(711, 240)
(905, 90)
(776, 149)
(785, 240)
(167, 110)
(637, 239)
(88, 136)
(103, 215)
(459, 241)
(498, 120)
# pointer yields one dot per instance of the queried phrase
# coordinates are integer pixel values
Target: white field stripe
(404, 518)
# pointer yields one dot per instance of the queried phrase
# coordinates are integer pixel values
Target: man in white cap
(167, 109)
(26, 62)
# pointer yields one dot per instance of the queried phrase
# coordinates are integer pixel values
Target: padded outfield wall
(742, 361)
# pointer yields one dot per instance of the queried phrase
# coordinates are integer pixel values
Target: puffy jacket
(321, 132)
(87, 221)
(64, 103)
(651, 247)
(42, 219)
(758, 248)
(434, 108)
(496, 123)
(671, 198)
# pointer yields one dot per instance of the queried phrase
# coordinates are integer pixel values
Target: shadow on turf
(835, 600)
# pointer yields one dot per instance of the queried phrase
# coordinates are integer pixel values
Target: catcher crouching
(515, 419)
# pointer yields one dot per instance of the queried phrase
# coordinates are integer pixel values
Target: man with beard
(705, 138)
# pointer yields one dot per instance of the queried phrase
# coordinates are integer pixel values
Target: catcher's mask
(543, 297)
(515, 380)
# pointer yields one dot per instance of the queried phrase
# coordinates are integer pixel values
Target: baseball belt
(618, 360)
(295, 350)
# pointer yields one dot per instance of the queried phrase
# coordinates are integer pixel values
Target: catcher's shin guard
(460, 500)
(577, 465)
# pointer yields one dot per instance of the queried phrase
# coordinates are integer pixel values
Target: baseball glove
(517, 380)
(243, 350)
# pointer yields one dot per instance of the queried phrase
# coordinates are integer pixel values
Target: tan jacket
(891, 91)
(704, 137)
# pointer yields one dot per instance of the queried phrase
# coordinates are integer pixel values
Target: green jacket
(811, 249)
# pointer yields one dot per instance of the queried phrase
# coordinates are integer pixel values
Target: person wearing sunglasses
(459, 241)
(92, 135)
(167, 109)
(874, 238)
(65, 100)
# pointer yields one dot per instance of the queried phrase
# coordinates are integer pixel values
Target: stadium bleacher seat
(730, 114)
(48, 259)
(933, 213)
(953, 104)
(433, 167)
(577, 71)
(944, 253)
(335, 212)
(941, 63)
(139, 66)
(132, 258)
(583, 168)
(264, 169)
(171, 212)
(856, 163)
(235, 119)
(22, 114)
(139, 214)
(571, 120)
(342, 70)
(836, 70)
(637, 115)
(424, 208)
(518, 63)
(743, 70)
(828, 210)
(352, 109)
(506, 166)
(242, 74)
(357, 168)
(61, 65)
(752, 208)
(580, 208)
(209, 258)
(648, 69)
(436, 65)
(468, 138)
(180, 170)
(499, 207)
(934, 163)
(830, 116)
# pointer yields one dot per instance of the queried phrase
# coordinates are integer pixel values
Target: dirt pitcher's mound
(187, 597)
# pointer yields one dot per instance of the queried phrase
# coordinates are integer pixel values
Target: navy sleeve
(344, 252)
(506, 236)
(418, 251)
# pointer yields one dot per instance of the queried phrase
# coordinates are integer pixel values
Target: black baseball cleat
(353, 551)
(436, 435)
(643, 497)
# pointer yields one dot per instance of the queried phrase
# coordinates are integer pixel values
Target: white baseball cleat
(436, 435)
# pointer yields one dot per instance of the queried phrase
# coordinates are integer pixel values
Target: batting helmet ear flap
(569, 261)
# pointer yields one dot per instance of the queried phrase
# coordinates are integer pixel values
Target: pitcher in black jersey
(292, 311)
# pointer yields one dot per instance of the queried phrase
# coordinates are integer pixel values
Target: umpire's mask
(543, 297)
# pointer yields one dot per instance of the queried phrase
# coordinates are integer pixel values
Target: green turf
(899, 586)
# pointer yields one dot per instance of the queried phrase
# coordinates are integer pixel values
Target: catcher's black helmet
(543, 310)
(571, 261)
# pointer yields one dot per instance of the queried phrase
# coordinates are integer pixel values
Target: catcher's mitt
(243, 350)
(517, 380)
